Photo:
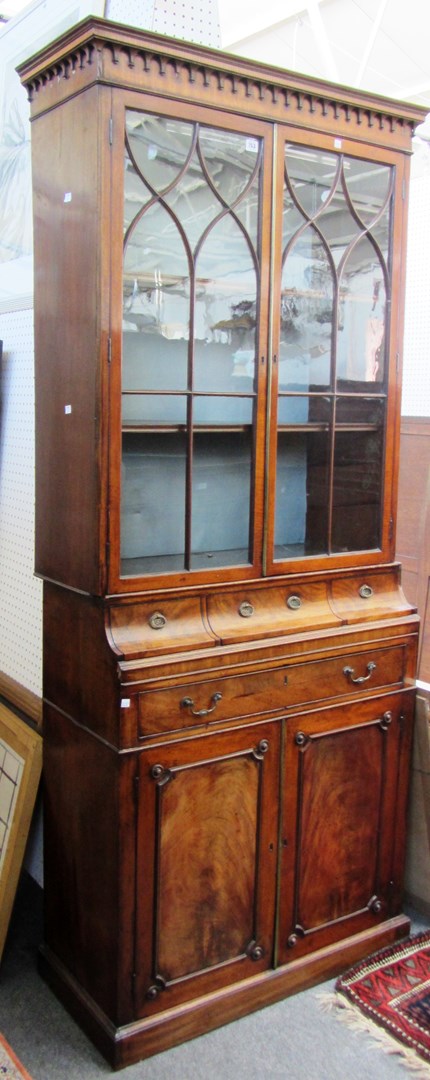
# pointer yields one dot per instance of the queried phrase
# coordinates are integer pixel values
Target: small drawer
(269, 692)
(270, 612)
(366, 597)
(162, 626)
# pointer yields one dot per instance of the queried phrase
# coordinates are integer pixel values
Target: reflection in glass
(155, 363)
(355, 409)
(306, 314)
(153, 528)
(226, 277)
(222, 410)
(360, 350)
(332, 322)
(149, 409)
(159, 147)
(368, 185)
(221, 499)
(301, 520)
(136, 193)
(190, 297)
(293, 409)
(156, 277)
(357, 490)
(311, 175)
(230, 160)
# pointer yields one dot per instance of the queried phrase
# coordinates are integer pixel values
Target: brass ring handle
(349, 672)
(188, 703)
(157, 620)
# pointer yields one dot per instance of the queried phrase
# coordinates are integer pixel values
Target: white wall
(416, 352)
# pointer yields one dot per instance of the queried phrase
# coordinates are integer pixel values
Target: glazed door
(335, 337)
(207, 840)
(194, 315)
(344, 819)
(251, 266)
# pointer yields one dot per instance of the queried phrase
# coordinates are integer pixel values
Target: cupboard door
(331, 334)
(193, 342)
(344, 822)
(207, 839)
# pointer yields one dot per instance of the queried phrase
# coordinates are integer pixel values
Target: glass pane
(297, 410)
(293, 410)
(360, 410)
(306, 314)
(159, 146)
(153, 409)
(152, 361)
(301, 516)
(193, 202)
(292, 219)
(221, 499)
(381, 232)
(222, 410)
(156, 277)
(226, 288)
(312, 175)
(248, 211)
(136, 193)
(357, 490)
(153, 502)
(360, 349)
(369, 187)
(230, 160)
(368, 184)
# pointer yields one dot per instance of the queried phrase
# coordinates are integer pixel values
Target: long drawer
(270, 691)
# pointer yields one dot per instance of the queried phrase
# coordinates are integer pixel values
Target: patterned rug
(392, 990)
(10, 1067)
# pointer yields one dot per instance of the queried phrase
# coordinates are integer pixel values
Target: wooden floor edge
(21, 698)
(144, 1038)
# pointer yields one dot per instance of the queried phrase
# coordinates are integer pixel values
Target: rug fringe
(357, 1022)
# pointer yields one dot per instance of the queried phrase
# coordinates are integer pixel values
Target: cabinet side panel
(82, 850)
(67, 212)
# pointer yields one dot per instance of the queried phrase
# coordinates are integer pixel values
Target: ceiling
(376, 45)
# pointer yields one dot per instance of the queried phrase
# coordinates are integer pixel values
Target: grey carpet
(295, 1039)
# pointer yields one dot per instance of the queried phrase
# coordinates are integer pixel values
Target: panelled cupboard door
(206, 864)
(345, 786)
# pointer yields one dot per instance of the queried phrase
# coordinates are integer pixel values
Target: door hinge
(391, 529)
(403, 189)
(136, 780)
(397, 363)
(110, 131)
(109, 350)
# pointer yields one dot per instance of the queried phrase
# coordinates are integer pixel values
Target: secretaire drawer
(269, 691)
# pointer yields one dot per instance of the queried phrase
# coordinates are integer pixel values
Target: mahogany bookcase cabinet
(228, 655)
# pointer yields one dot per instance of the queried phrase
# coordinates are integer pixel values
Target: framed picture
(20, 769)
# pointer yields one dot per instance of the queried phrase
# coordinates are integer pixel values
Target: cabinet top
(103, 52)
